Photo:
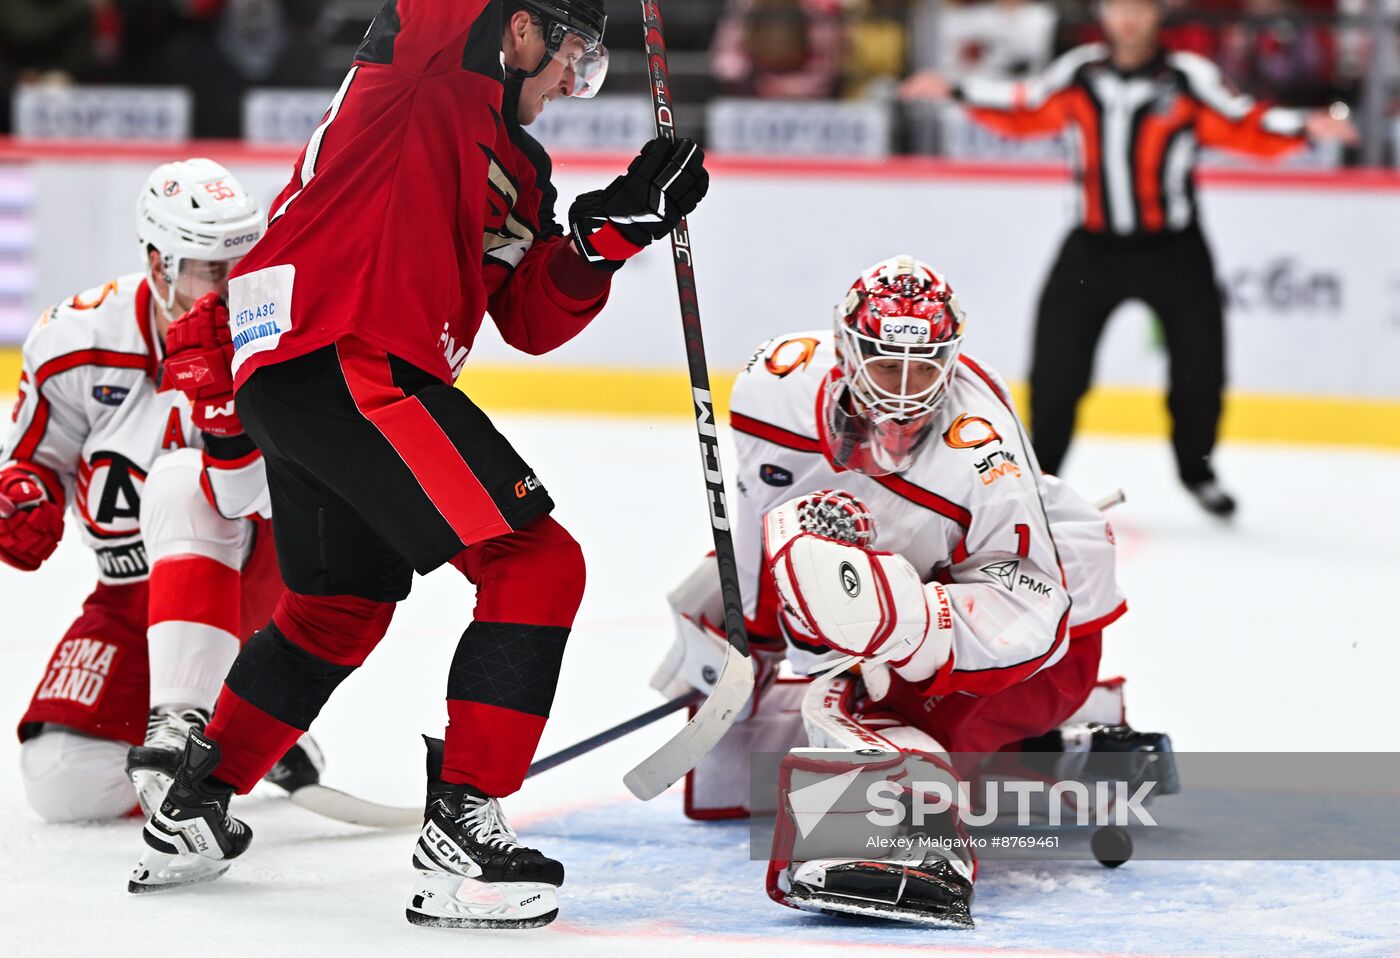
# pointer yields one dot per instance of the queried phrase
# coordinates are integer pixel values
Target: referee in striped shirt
(1137, 113)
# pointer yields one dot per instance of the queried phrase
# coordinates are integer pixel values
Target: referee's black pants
(1174, 275)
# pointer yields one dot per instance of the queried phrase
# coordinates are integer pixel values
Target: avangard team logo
(970, 432)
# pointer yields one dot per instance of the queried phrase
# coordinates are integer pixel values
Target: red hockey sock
(250, 741)
(501, 685)
(285, 674)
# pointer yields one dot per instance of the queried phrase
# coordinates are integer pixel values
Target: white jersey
(89, 421)
(1028, 563)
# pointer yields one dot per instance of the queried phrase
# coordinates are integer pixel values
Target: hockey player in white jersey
(893, 511)
(93, 433)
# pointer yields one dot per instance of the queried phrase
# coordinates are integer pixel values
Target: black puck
(1112, 845)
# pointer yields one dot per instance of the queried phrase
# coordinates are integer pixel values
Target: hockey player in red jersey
(892, 511)
(93, 431)
(419, 203)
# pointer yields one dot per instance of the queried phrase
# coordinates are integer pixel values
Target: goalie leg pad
(719, 787)
(925, 875)
(925, 893)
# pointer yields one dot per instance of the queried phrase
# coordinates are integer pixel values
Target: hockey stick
(1114, 498)
(343, 807)
(663, 767)
(613, 734)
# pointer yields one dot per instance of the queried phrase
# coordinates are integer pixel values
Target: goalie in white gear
(977, 620)
(93, 432)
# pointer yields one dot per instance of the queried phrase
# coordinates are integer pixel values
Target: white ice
(1270, 633)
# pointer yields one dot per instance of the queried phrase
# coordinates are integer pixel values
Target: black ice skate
(472, 870)
(1095, 751)
(931, 891)
(300, 767)
(191, 837)
(1213, 498)
(151, 765)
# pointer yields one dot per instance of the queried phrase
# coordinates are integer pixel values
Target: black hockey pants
(1175, 276)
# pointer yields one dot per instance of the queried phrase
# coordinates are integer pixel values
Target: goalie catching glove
(199, 361)
(838, 593)
(662, 186)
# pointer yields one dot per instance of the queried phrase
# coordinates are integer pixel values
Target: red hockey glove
(199, 363)
(663, 185)
(30, 523)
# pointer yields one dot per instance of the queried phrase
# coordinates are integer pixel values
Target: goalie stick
(343, 807)
(662, 768)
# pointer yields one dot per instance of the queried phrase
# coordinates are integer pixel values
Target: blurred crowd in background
(1297, 52)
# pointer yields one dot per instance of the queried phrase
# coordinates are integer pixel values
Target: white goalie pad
(1105, 705)
(718, 787)
(697, 654)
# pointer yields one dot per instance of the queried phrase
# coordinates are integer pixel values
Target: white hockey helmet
(201, 219)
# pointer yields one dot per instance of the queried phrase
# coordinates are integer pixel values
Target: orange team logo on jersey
(19, 400)
(806, 348)
(970, 432)
(108, 290)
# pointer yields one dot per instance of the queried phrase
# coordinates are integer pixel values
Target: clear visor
(585, 61)
(894, 380)
(868, 446)
(196, 277)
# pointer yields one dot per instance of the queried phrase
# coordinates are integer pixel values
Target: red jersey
(418, 204)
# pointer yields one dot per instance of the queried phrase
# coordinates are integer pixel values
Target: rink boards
(1305, 259)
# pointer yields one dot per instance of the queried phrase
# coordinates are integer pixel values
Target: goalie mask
(898, 333)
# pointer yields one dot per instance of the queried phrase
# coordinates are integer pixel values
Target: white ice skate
(151, 765)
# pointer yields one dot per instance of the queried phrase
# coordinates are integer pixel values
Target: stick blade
(664, 767)
(334, 804)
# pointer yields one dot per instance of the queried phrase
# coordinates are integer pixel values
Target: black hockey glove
(664, 184)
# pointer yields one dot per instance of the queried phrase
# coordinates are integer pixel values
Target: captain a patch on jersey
(774, 475)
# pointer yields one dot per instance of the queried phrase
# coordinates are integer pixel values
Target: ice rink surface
(1265, 634)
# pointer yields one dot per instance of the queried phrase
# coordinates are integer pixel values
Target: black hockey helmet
(585, 19)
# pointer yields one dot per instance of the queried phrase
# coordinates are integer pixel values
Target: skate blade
(159, 871)
(448, 901)
(827, 904)
(429, 921)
